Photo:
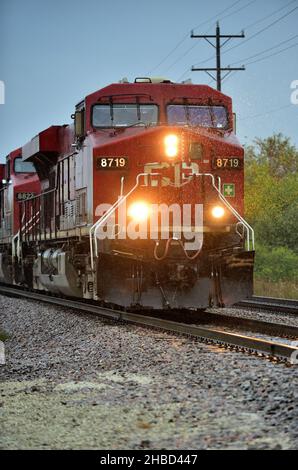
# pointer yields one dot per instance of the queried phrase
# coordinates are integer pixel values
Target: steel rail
(271, 304)
(250, 324)
(214, 336)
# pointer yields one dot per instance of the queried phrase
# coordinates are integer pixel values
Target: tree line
(271, 206)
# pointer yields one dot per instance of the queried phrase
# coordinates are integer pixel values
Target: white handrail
(249, 229)
(95, 227)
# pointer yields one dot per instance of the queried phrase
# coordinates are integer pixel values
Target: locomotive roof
(159, 91)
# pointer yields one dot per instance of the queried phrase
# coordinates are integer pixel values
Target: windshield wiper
(111, 109)
(123, 128)
(186, 109)
(137, 124)
(138, 108)
(212, 115)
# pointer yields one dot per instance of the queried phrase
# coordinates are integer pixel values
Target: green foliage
(271, 205)
(277, 152)
(271, 200)
(275, 264)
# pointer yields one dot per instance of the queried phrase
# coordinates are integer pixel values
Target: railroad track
(249, 324)
(271, 304)
(271, 349)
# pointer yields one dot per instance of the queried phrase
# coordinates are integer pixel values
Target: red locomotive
(18, 181)
(139, 203)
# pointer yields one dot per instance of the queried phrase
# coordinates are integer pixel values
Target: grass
(280, 289)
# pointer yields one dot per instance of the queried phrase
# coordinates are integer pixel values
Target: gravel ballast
(73, 381)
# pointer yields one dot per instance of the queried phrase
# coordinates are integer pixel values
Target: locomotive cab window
(197, 116)
(23, 167)
(124, 115)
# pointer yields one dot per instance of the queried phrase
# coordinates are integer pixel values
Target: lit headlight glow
(171, 145)
(218, 212)
(139, 211)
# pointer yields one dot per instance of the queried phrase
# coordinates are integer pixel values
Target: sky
(55, 52)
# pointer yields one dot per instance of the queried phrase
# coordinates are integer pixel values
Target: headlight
(218, 212)
(139, 211)
(171, 145)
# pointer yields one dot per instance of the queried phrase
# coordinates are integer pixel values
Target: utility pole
(218, 45)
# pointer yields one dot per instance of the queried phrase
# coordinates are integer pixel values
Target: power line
(270, 55)
(183, 75)
(195, 45)
(269, 16)
(187, 35)
(268, 112)
(232, 13)
(260, 20)
(274, 54)
(218, 45)
(262, 30)
(265, 50)
(258, 32)
(181, 57)
(170, 53)
(216, 16)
